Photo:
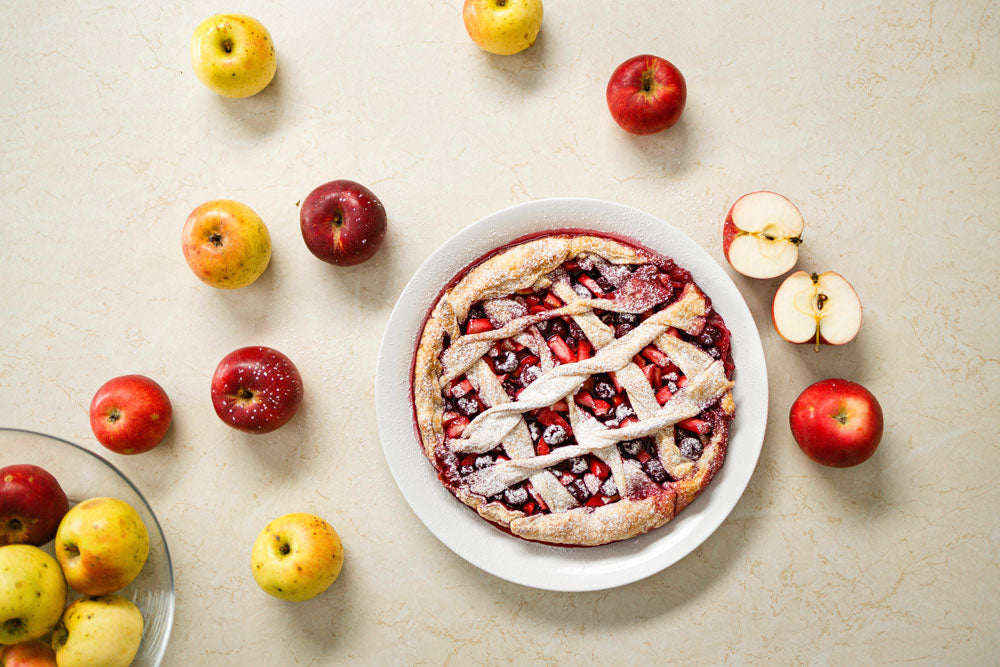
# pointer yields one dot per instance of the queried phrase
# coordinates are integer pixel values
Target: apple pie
(574, 389)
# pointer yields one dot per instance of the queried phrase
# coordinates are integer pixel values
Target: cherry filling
(587, 478)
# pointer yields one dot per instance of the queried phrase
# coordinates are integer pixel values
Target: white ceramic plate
(528, 563)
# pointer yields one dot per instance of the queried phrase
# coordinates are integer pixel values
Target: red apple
(342, 222)
(130, 414)
(837, 423)
(256, 389)
(821, 308)
(761, 234)
(34, 653)
(646, 94)
(31, 505)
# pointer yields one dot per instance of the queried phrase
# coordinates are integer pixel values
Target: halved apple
(762, 234)
(823, 308)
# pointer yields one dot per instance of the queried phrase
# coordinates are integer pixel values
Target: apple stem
(647, 81)
(227, 46)
(817, 338)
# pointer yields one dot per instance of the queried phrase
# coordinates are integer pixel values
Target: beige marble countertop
(881, 123)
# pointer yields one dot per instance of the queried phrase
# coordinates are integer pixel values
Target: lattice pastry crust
(512, 454)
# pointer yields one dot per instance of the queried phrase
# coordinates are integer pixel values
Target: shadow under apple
(523, 70)
(366, 281)
(278, 455)
(327, 619)
(250, 306)
(666, 151)
(259, 114)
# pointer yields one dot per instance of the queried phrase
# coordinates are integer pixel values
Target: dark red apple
(256, 389)
(130, 414)
(31, 505)
(342, 222)
(837, 423)
(646, 95)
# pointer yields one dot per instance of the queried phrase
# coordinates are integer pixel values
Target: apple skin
(256, 389)
(296, 557)
(130, 414)
(105, 631)
(646, 95)
(342, 222)
(32, 593)
(101, 546)
(233, 55)
(34, 653)
(226, 244)
(503, 27)
(31, 505)
(837, 423)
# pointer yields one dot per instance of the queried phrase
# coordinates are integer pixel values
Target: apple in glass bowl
(32, 503)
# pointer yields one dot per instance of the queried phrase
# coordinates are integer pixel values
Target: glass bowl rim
(158, 658)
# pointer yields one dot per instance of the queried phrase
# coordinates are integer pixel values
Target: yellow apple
(98, 632)
(226, 244)
(233, 55)
(35, 653)
(296, 557)
(101, 545)
(32, 593)
(503, 27)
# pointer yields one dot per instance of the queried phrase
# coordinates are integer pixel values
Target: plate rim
(538, 215)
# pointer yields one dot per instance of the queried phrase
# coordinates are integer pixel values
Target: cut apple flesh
(822, 308)
(765, 235)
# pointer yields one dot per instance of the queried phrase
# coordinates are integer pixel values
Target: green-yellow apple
(32, 593)
(296, 557)
(101, 545)
(226, 244)
(34, 653)
(233, 55)
(503, 27)
(103, 631)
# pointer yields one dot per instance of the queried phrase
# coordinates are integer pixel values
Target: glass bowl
(82, 475)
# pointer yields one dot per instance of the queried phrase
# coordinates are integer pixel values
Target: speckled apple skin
(112, 542)
(105, 631)
(226, 244)
(296, 557)
(269, 377)
(503, 27)
(32, 589)
(247, 68)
